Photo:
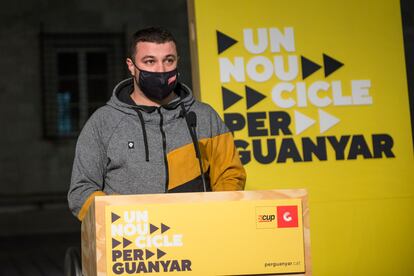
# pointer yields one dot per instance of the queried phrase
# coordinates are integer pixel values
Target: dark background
(38, 39)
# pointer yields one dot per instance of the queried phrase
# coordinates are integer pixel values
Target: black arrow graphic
(229, 97)
(164, 228)
(148, 254)
(126, 242)
(115, 243)
(308, 67)
(224, 42)
(114, 217)
(253, 97)
(153, 228)
(160, 253)
(330, 64)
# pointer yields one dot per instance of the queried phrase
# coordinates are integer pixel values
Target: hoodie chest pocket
(128, 155)
(136, 155)
(134, 150)
(147, 150)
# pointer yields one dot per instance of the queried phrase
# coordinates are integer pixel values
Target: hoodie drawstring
(183, 112)
(144, 134)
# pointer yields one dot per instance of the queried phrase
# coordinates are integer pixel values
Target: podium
(215, 233)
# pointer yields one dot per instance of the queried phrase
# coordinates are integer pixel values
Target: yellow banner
(218, 238)
(309, 88)
(315, 93)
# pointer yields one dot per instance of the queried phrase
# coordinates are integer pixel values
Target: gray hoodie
(128, 149)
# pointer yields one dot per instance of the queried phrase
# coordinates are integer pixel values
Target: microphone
(192, 124)
(191, 119)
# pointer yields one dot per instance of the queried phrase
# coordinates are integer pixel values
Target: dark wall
(34, 171)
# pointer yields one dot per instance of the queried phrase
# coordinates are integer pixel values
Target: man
(140, 142)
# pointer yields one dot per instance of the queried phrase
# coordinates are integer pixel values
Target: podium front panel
(225, 233)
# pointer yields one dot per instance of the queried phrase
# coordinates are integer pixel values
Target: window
(79, 73)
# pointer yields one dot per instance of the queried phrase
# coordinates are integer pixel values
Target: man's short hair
(152, 34)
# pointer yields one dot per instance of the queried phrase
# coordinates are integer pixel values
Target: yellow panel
(364, 101)
(363, 237)
(218, 238)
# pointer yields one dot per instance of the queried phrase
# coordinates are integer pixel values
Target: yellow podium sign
(226, 233)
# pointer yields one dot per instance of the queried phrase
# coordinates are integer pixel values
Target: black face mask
(157, 85)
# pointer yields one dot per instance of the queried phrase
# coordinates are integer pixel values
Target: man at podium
(153, 136)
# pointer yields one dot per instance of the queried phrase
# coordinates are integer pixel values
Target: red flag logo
(287, 216)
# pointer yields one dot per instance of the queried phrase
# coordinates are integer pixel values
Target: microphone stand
(191, 120)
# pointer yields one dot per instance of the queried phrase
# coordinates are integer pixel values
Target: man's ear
(130, 65)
